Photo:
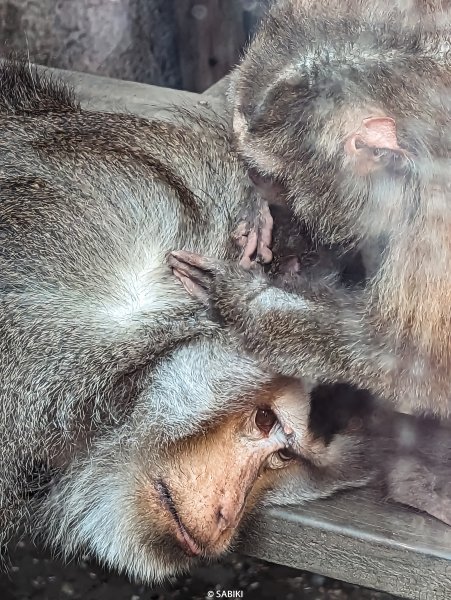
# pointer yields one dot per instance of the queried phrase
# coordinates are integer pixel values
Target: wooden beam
(218, 89)
(115, 95)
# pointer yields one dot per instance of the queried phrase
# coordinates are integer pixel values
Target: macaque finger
(193, 288)
(257, 249)
(264, 253)
(193, 273)
(191, 259)
(250, 249)
(241, 234)
(195, 281)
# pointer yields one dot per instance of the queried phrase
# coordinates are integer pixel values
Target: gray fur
(105, 360)
(90, 206)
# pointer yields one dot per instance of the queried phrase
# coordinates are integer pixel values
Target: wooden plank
(360, 539)
(218, 89)
(116, 95)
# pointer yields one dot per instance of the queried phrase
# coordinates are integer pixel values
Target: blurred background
(184, 44)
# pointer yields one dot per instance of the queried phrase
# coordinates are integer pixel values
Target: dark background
(35, 576)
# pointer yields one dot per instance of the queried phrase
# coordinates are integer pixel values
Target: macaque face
(152, 511)
(196, 500)
(340, 163)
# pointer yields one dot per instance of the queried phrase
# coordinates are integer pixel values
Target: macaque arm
(298, 335)
(319, 333)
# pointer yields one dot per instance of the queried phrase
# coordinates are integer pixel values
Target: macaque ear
(374, 144)
(374, 132)
(379, 132)
(273, 103)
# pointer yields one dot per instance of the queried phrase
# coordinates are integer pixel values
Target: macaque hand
(254, 235)
(220, 285)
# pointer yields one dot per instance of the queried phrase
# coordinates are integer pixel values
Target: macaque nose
(227, 517)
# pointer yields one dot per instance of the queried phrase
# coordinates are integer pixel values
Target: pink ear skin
(371, 142)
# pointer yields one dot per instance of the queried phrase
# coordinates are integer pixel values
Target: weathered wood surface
(218, 89)
(353, 536)
(359, 539)
(115, 95)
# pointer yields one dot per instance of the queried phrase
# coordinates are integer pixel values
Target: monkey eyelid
(287, 454)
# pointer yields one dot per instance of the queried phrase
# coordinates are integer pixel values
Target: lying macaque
(151, 509)
(133, 429)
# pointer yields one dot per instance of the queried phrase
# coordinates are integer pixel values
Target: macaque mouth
(256, 177)
(186, 541)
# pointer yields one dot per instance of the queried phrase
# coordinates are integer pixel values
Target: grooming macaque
(133, 428)
(346, 105)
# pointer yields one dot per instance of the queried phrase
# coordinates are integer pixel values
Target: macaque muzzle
(216, 478)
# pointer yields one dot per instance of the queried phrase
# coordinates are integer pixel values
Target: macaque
(346, 106)
(133, 428)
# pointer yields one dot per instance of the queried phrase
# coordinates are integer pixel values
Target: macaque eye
(285, 455)
(265, 419)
